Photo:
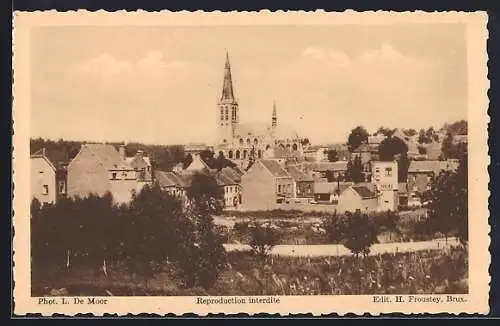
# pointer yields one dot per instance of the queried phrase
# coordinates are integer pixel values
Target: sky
(160, 84)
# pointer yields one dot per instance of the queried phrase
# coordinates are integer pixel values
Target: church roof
(227, 85)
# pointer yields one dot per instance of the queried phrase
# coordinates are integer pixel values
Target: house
(142, 166)
(303, 184)
(357, 198)
(403, 196)
(421, 173)
(197, 148)
(385, 179)
(231, 190)
(364, 152)
(100, 168)
(197, 164)
(172, 183)
(325, 171)
(316, 153)
(48, 178)
(265, 184)
(328, 192)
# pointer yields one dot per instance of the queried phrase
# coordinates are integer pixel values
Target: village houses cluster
(273, 168)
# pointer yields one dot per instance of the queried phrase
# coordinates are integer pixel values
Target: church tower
(228, 112)
(274, 119)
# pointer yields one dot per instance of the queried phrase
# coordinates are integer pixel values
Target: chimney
(122, 151)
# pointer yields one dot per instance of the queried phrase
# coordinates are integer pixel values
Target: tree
(457, 128)
(403, 166)
(410, 132)
(305, 142)
(384, 131)
(332, 155)
(335, 228)
(390, 147)
(448, 202)
(360, 232)
(263, 239)
(357, 136)
(423, 138)
(390, 221)
(354, 170)
(450, 150)
(422, 150)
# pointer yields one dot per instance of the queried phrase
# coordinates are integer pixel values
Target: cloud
(106, 66)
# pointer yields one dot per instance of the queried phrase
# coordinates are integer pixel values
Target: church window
(248, 141)
(227, 114)
(241, 141)
(259, 153)
(245, 153)
(222, 114)
(237, 154)
(294, 147)
(287, 146)
(255, 141)
(230, 154)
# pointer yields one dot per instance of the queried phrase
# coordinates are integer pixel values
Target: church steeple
(227, 86)
(274, 120)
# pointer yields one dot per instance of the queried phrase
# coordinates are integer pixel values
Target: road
(332, 250)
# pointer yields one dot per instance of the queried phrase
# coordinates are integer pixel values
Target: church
(242, 142)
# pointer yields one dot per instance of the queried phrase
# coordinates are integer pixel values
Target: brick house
(99, 168)
(264, 185)
(48, 178)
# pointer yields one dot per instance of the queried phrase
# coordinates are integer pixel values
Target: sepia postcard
(250, 162)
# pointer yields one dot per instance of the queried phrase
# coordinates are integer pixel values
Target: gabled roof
(274, 168)
(363, 192)
(297, 175)
(232, 173)
(57, 162)
(171, 179)
(107, 154)
(138, 162)
(326, 166)
(431, 166)
(331, 187)
(224, 180)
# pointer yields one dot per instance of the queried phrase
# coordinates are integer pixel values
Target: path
(339, 250)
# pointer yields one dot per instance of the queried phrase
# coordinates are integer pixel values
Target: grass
(409, 273)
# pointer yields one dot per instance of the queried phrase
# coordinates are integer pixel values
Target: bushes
(154, 228)
(263, 239)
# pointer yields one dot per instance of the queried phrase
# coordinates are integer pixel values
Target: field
(438, 271)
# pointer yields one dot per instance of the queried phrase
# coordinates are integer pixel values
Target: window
(377, 170)
(45, 189)
(224, 141)
(41, 172)
(238, 154)
(259, 153)
(255, 141)
(241, 141)
(248, 141)
(61, 187)
(388, 172)
(222, 114)
(124, 175)
(230, 154)
(279, 188)
(294, 147)
(245, 153)
(227, 114)
(113, 176)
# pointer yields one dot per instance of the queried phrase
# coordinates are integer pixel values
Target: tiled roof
(107, 154)
(431, 166)
(275, 169)
(171, 179)
(363, 191)
(330, 187)
(224, 180)
(232, 173)
(58, 160)
(327, 166)
(297, 175)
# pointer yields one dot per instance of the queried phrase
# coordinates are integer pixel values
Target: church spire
(227, 86)
(274, 122)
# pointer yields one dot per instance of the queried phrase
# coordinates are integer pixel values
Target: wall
(231, 193)
(87, 175)
(258, 189)
(305, 189)
(42, 174)
(285, 187)
(419, 182)
(350, 201)
(388, 200)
